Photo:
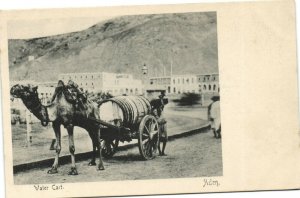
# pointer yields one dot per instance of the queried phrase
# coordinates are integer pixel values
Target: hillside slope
(122, 44)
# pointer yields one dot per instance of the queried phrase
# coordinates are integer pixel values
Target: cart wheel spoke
(147, 129)
(155, 132)
(145, 141)
(145, 135)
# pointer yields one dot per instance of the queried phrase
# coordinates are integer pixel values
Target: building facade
(184, 84)
(160, 83)
(115, 84)
(189, 83)
(208, 83)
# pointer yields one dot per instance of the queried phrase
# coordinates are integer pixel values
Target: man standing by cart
(158, 108)
(163, 136)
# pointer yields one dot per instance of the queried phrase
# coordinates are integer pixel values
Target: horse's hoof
(100, 167)
(52, 171)
(73, 171)
(92, 163)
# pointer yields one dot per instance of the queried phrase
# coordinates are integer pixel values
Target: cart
(124, 118)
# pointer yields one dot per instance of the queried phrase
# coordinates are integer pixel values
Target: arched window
(204, 87)
(214, 87)
(209, 87)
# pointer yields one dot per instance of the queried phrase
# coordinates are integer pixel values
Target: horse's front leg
(70, 129)
(100, 165)
(56, 128)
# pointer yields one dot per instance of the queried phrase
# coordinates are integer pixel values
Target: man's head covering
(162, 94)
(215, 97)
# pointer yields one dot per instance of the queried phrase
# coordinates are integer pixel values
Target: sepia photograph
(126, 98)
(150, 99)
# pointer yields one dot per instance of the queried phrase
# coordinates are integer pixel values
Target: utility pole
(28, 127)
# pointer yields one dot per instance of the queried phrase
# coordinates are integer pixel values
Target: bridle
(35, 109)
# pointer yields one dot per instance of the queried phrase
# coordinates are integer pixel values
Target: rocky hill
(122, 44)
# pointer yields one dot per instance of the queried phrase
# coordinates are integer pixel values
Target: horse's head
(24, 91)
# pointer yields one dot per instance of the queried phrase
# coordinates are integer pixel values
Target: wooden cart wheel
(109, 148)
(148, 137)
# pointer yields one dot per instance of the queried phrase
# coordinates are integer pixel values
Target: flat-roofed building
(208, 83)
(184, 84)
(113, 83)
(160, 83)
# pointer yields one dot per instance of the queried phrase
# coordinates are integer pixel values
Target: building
(184, 84)
(45, 91)
(189, 83)
(205, 84)
(113, 83)
(208, 83)
(160, 83)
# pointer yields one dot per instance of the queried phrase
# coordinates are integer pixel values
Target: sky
(24, 29)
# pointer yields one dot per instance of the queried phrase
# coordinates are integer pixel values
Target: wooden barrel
(129, 109)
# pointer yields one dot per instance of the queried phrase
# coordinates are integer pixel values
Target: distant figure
(214, 116)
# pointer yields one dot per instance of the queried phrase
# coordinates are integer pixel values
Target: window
(204, 87)
(173, 81)
(214, 87)
(209, 87)
(174, 90)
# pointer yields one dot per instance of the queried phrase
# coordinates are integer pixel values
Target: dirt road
(194, 156)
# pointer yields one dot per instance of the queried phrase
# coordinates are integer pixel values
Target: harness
(36, 108)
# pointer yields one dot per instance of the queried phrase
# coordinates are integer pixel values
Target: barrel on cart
(124, 118)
